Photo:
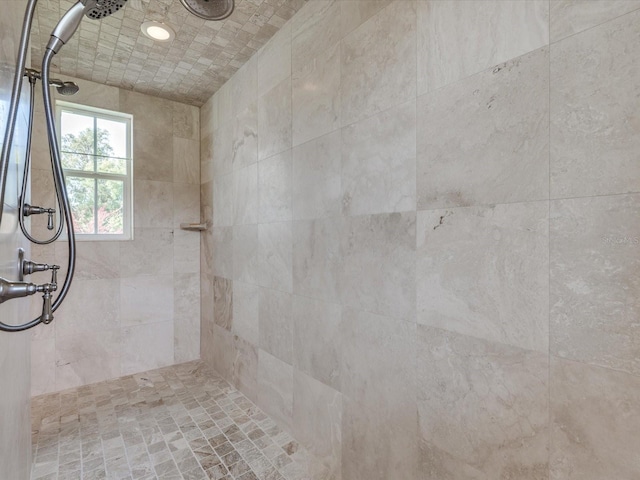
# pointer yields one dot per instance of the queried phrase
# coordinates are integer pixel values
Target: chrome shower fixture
(209, 9)
(62, 33)
(97, 9)
(63, 88)
(69, 23)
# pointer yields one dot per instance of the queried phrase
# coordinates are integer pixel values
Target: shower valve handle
(32, 210)
(30, 267)
(47, 289)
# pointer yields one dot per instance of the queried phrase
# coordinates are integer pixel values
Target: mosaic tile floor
(179, 422)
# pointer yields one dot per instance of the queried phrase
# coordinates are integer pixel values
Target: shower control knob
(30, 267)
(29, 210)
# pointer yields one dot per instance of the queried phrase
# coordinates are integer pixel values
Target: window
(95, 146)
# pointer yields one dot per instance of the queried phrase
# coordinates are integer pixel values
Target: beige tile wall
(15, 411)
(134, 305)
(424, 253)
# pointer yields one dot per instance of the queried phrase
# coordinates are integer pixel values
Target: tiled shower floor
(179, 422)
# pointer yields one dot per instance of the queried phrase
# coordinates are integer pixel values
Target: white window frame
(128, 177)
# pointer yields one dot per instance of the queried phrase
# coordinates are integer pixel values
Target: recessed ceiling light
(157, 31)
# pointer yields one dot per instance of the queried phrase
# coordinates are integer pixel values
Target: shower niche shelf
(194, 227)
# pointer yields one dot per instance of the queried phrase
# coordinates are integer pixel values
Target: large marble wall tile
(569, 17)
(86, 371)
(595, 281)
(144, 255)
(186, 161)
(485, 139)
(151, 114)
(595, 137)
(379, 264)
(206, 202)
(274, 60)
(87, 357)
(275, 388)
(246, 258)
(146, 299)
(317, 259)
(317, 420)
(316, 97)
(245, 137)
(317, 332)
(378, 62)
(145, 347)
(245, 195)
(153, 204)
(186, 121)
(152, 156)
(223, 148)
(274, 188)
(379, 163)
(316, 178)
(207, 328)
(274, 120)
(244, 87)
(483, 408)
(236, 360)
(43, 366)
(223, 246)
(595, 421)
(275, 269)
(245, 311)
(186, 251)
(315, 30)
(94, 260)
(223, 207)
(244, 373)
(494, 32)
(222, 352)
(354, 13)
(379, 418)
(186, 204)
(206, 166)
(186, 317)
(223, 302)
(276, 324)
(484, 272)
(90, 305)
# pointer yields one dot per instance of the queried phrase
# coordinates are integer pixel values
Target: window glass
(96, 156)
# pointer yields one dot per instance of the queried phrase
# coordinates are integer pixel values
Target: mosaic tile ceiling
(194, 65)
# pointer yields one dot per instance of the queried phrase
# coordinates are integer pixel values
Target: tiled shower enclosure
(424, 254)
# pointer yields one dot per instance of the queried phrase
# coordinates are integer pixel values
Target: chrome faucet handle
(54, 276)
(47, 310)
(47, 289)
(50, 213)
(29, 210)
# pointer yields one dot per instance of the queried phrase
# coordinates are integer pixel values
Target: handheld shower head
(97, 9)
(69, 23)
(209, 9)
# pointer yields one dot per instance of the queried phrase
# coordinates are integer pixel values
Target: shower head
(69, 23)
(209, 9)
(68, 88)
(97, 9)
(64, 88)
